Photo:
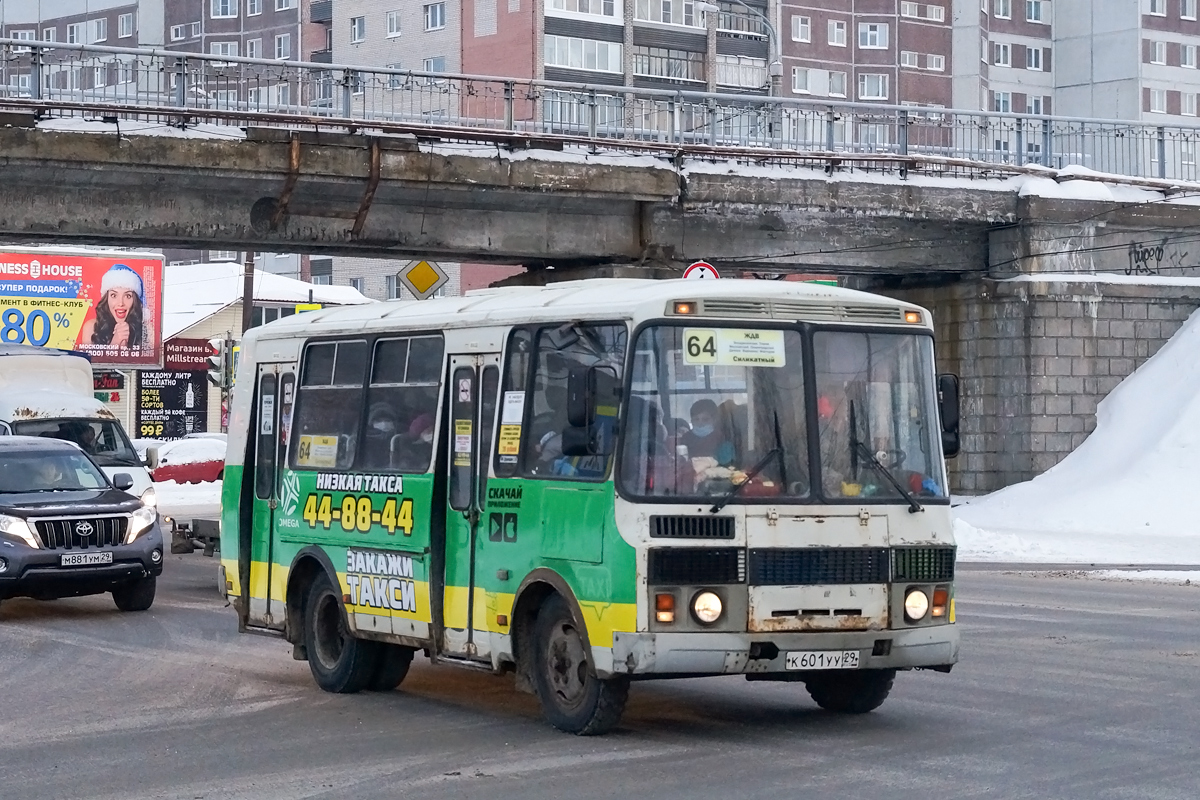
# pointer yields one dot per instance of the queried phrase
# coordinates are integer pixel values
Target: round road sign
(701, 269)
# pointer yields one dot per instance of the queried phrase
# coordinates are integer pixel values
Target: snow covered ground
(1127, 495)
(187, 500)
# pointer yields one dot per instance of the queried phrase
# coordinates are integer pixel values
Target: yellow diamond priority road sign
(423, 278)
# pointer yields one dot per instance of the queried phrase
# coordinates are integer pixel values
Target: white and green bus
(596, 482)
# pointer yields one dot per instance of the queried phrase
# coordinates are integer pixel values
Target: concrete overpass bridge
(999, 223)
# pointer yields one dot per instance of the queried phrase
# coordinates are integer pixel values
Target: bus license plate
(821, 659)
(83, 559)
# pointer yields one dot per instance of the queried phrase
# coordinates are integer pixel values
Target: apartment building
(883, 51)
(116, 23)
(1004, 55)
(274, 29)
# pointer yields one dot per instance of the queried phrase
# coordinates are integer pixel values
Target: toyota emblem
(83, 529)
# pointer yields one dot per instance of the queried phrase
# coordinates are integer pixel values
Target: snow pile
(191, 451)
(187, 500)
(1127, 495)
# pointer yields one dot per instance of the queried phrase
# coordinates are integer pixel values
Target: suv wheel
(136, 595)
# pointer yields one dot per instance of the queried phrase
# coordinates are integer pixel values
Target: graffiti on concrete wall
(1157, 258)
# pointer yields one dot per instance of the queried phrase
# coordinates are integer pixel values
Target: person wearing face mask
(705, 439)
(381, 427)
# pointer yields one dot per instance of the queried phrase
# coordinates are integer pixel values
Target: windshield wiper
(757, 468)
(858, 446)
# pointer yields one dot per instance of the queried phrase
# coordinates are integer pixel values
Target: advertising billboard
(106, 303)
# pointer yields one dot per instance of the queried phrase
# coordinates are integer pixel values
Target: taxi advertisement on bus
(106, 303)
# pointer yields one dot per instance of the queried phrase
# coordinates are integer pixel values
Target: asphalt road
(1068, 688)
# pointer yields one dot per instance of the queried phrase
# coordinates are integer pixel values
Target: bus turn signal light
(685, 308)
(664, 607)
(941, 601)
(912, 316)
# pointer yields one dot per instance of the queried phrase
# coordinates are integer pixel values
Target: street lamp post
(774, 54)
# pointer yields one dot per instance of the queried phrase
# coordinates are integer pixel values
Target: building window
(1033, 58)
(600, 8)
(660, 62)
(910, 59)
(1002, 9)
(395, 80)
(284, 5)
(24, 36)
(358, 284)
(837, 84)
(745, 71)
(75, 33)
(1035, 104)
(358, 29)
(223, 48)
(935, 62)
(1187, 56)
(99, 77)
(392, 286)
(1158, 7)
(910, 10)
(837, 33)
(393, 24)
(125, 26)
(1035, 11)
(223, 255)
(434, 64)
(1002, 54)
(800, 80)
(126, 72)
(801, 29)
(935, 13)
(99, 29)
(983, 49)
(674, 12)
(872, 36)
(572, 53)
(283, 94)
(253, 8)
(435, 16)
(1187, 103)
(1187, 9)
(194, 30)
(1158, 52)
(178, 32)
(223, 9)
(1002, 102)
(1158, 101)
(49, 34)
(255, 97)
(283, 46)
(872, 87)
(254, 48)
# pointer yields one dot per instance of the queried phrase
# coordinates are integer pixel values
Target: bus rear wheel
(339, 662)
(391, 668)
(572, 697)
(851, 691)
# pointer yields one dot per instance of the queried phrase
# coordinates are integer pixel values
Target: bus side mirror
(152, 458)
(579, 397)
(948, 410)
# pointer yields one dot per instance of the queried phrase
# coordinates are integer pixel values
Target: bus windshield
(876, 414)
(707, 406)
(103, 439)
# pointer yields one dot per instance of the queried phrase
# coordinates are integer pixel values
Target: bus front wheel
(572, 697)
(392, 667)
(339, 662)
(851, 691)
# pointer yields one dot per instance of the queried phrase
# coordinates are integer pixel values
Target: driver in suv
(66, 529)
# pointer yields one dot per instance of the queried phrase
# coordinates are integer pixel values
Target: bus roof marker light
(913, 317)
(685, 308)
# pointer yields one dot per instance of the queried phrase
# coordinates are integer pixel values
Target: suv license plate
(83, 559)
(821, 659)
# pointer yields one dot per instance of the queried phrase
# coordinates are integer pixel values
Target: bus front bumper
(932, 647)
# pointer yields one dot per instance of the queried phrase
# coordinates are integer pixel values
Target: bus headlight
(707, 608)
(140, 522)
(17, 528)
(916, 605)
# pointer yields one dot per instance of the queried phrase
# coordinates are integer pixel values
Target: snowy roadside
(185, 501)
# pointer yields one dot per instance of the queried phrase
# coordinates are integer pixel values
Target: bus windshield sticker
(514, 409)
(317, 451)
(733, 347)
(268, 415)
(509, 443)
(462, 442)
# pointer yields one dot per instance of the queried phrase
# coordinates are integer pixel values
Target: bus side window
(512, 404)
(402, 404)
(329, 405)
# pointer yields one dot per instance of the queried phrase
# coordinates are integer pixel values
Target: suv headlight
(18, 529)
(149, 498)
(140, 522)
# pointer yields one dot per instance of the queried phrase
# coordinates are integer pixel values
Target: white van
(46, 392)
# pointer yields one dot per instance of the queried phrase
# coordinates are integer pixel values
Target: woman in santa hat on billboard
(118, 320)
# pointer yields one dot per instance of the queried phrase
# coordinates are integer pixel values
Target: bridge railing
(177, 87)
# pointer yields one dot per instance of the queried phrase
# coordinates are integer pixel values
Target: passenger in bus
(547, 429)
(411, 451)
(707, 438)
(381, 427)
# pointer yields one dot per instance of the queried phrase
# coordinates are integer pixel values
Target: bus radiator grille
(693, 566)
(923, 564)
(663, 527)
(819, 566)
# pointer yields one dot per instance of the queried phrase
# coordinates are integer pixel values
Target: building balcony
(321, 11)
(322, 57)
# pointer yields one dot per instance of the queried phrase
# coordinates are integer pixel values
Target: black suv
(66, 530)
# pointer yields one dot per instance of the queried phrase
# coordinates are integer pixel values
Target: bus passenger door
(264, 610)
(472, 402)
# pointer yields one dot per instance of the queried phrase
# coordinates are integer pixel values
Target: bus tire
(136, 595)
(851, 691)
(391, 667)
(572, 697)
(340, 662)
